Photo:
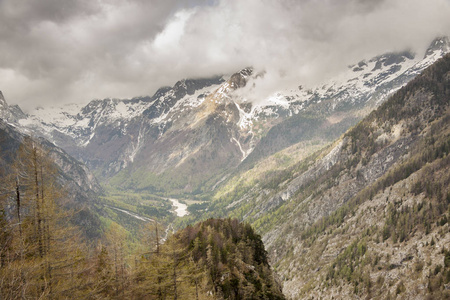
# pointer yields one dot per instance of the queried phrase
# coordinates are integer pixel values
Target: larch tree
(42, 258)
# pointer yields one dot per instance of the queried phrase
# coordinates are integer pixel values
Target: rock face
(347, 221)
(11, 113)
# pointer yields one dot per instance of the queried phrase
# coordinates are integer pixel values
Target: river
(132, 214)
(180, 208)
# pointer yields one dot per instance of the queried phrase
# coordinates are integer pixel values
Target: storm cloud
(54, 51)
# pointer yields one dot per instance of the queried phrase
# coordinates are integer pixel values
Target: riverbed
(180, 208)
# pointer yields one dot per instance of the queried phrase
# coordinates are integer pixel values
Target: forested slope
(367, 215)
(375, 222)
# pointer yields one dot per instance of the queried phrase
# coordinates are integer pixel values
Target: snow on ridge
(121, 110)
(358, 80)
(245, 119)
(78, 121)
(187, 102)
(59, 116)
(356, 83)
(278, 99)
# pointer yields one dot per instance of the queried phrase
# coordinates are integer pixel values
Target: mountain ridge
(311, 212)
(116, 138)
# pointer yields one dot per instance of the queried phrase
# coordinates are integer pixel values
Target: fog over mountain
(74, 51)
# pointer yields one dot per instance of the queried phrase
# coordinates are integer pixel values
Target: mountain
(333, 107)
(366, 216)
(189, 138)
(363, 215)
(78, 188)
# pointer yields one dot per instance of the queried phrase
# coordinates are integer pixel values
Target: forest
(44, 254)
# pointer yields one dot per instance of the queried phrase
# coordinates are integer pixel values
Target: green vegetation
(127, 210)
(417, 210)
(43, 255)
(408, 139)
(141, 203)
(232, 257)
(349, 263)
(178, 184)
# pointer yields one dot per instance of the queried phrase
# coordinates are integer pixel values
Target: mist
(64, 51)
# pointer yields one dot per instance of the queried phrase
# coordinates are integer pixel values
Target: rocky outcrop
(10, 113)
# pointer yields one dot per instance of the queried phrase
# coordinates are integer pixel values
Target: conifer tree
(40, 257)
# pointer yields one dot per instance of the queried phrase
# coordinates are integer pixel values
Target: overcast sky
(55, 51)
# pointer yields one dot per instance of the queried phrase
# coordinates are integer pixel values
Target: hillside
(391, 236)
(376, 200)
(76, 185)
(215, 259)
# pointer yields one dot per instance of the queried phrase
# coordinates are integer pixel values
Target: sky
(73, 51)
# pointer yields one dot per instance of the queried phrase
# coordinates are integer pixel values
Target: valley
(206, 127)
(343, 187)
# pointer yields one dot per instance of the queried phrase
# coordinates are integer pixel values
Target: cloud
(75, 50)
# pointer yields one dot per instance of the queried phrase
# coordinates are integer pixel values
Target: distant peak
(438, 44)
(189, 86)
(10, 113)
(239, 79)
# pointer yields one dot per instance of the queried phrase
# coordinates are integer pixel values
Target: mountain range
(347, 182)
(186, 139)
